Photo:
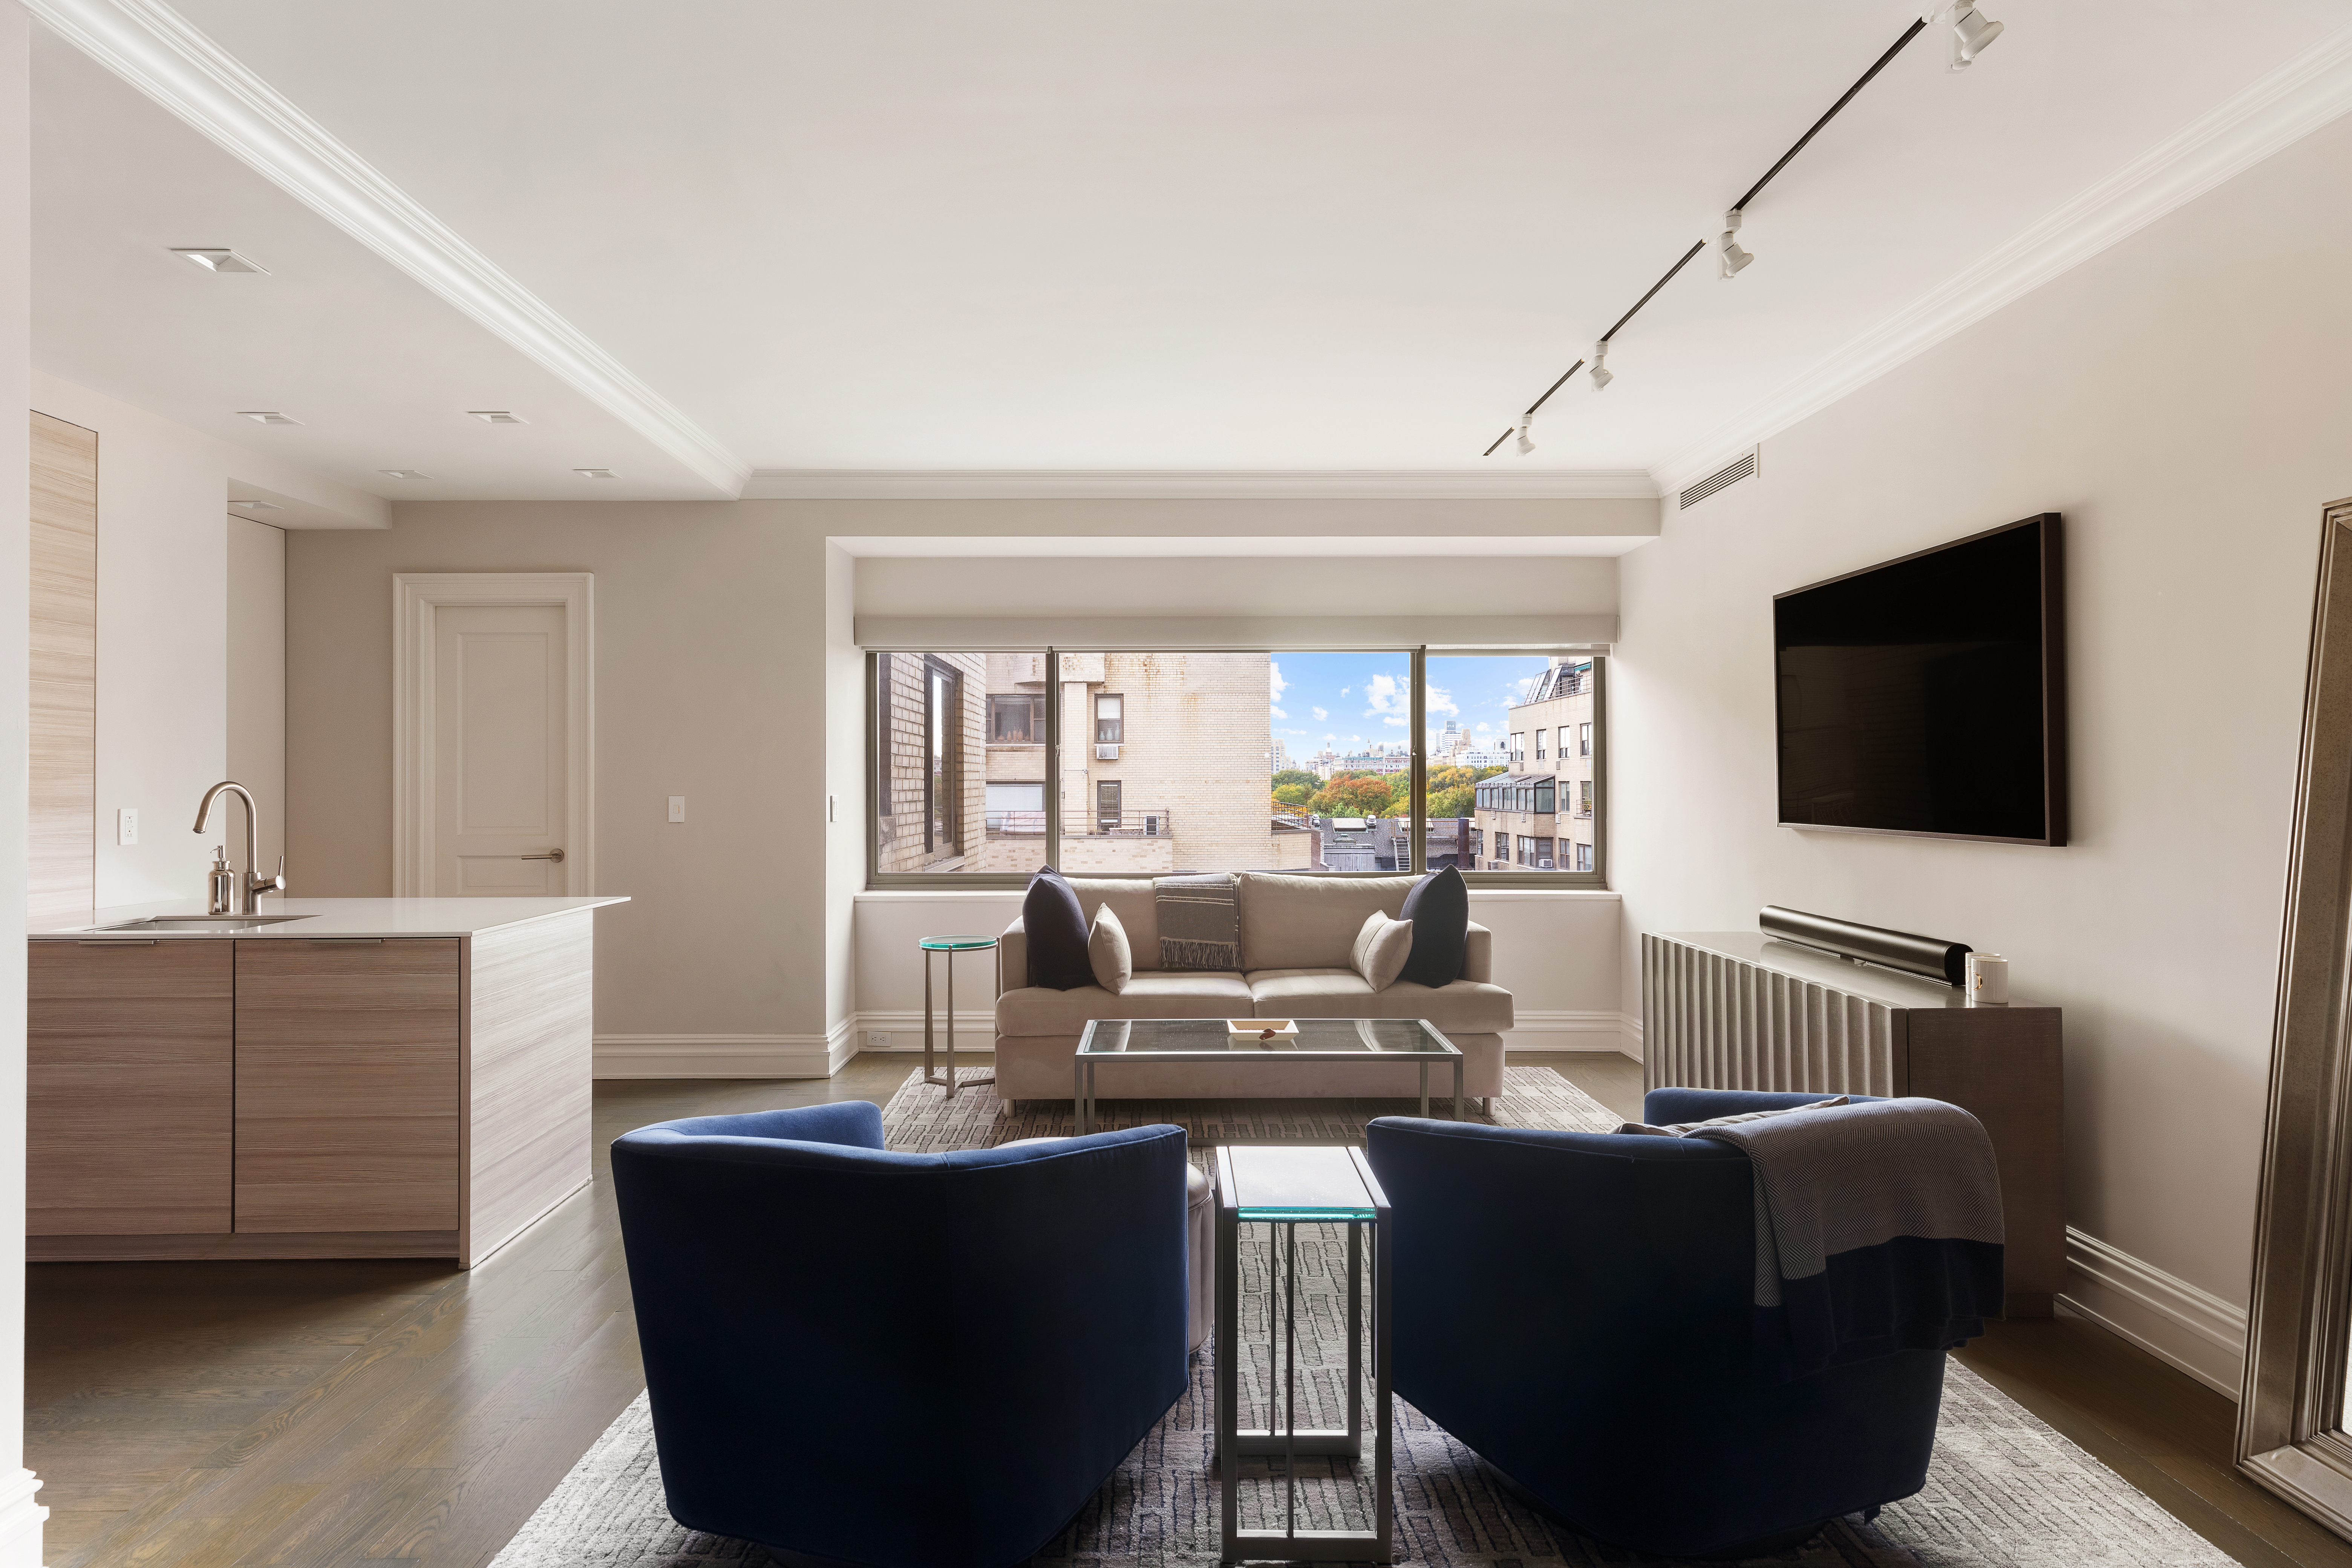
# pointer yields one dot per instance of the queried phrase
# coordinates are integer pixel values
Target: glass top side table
(1281, 1187)
(951, 945)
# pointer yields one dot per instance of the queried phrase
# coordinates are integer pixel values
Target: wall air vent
(1105, 754)
(1741, 467)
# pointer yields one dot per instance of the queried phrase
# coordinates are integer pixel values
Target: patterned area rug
(2004, 1490)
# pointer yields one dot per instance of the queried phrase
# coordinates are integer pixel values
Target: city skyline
(1351, 702)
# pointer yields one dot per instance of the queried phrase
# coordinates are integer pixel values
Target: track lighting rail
(1959, 16)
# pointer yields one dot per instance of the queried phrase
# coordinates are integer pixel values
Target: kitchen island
(331, 1078)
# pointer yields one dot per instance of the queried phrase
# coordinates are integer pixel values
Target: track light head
(1525, 444)
(1602, 374)
(1967, 31)
(1974, 30)
(1731, 258)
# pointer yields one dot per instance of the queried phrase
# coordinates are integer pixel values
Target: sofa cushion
(1311, 923)
(1466, 1005)
(1439, 909)
(1106, 950)
(1195, 994)
(1381, 948)
(1131, 899)
(1056, 930)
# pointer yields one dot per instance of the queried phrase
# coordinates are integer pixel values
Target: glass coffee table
(1212, 1040)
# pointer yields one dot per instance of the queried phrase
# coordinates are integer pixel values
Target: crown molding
(938, 484)
(2307, 92)
(156, 50)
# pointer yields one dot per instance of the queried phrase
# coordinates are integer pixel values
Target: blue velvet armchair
(1577, 1308)
(902, 1360)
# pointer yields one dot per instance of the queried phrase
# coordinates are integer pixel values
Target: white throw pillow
(1381, 948)
(1106, 950)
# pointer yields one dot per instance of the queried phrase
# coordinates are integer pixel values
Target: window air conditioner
(1107, 753)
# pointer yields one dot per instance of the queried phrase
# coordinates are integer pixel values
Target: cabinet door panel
(129, 1088)
(347, 1085)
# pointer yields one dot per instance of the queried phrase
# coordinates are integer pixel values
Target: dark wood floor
(204, 1415)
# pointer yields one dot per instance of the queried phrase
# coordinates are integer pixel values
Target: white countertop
(332, 916)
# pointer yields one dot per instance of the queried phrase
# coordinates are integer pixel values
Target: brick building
(1539, 816)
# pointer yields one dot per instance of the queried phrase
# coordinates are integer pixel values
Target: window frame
(1118, 723)
(877, 807)
(1036, 706)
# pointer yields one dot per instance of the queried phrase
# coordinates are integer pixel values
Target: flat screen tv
(1927, 695)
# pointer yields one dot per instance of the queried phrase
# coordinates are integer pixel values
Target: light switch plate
(126, 825)
(678, 808)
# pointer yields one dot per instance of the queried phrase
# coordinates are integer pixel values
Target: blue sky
(1352, 701)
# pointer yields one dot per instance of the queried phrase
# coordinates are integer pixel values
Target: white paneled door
(499, 751)
(494, 771)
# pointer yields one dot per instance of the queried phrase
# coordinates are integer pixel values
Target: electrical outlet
(678, 808)
(878, 1040)
(126, 825)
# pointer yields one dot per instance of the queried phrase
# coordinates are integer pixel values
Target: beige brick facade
(1189, 777)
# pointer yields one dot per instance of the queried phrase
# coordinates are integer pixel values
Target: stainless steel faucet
(251, 885)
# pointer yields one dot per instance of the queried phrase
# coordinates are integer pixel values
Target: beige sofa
(1297, 934)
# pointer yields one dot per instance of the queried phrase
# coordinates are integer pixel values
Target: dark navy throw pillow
(1439, 909)
(1054, 923)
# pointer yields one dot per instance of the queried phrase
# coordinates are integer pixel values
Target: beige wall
(726, 673)
(256, 686)
(20, 1513)
(712, 670)
(2184, 401)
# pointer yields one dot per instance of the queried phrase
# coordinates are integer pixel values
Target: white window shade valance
(1276, 634)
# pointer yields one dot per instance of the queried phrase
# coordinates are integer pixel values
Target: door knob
(552, 855)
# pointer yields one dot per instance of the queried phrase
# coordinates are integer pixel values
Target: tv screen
(1927, 695)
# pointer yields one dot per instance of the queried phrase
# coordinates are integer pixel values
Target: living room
(2090, 275)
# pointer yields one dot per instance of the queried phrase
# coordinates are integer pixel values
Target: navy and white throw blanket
(1878, 1228)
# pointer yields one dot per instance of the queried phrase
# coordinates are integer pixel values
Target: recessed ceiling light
(261, 505)
(216, 259)
(497, 416)
(596, 473)
(267, 416)
(403, 473)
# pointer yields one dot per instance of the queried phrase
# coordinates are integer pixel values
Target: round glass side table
(951, 945)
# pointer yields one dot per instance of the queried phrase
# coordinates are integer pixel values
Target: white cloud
(1484, 728)
(1393, 719)
(1300, 733)
(1345, 689)
(1384, 695)
(1274, 668)
(1439, 700)
(1276, 712)
(1321, 714)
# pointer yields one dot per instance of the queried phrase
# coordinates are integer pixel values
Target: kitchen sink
(202, 922)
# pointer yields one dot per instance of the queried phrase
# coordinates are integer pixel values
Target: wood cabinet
(130, 1088)
(307, 1097)
(347, 1085)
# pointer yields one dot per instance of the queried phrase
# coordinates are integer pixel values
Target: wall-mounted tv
(1927, 695)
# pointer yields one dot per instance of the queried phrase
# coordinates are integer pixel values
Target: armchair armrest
(1478, 954)
(1664, 1107)
(1011, 958)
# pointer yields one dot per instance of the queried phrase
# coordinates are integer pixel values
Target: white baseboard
(20, 1521)
(1574, 1032)
(975, 1028)
(725, 1055)
(2170, 1319)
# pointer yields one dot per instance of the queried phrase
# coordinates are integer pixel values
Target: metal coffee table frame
(1083, 1084)
(1291, 1544)
(951, 945)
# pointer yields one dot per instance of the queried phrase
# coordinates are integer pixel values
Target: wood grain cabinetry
(130, 1088)
(61, 796)
(347, 1085)
(307, 1097)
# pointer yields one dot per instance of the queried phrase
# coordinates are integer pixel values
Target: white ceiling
(1277, 237)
